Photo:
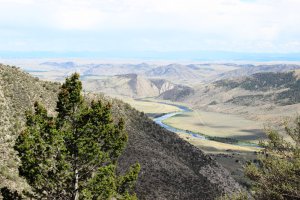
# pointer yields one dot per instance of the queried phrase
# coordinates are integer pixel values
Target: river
(166, 116)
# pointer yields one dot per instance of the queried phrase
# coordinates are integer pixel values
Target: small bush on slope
(277, 174)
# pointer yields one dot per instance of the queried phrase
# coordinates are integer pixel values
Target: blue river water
(166, 116)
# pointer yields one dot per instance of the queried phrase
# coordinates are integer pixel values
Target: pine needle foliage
(74, 155)
(8, 195)
(277, 175)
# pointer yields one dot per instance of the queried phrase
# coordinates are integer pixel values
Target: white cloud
(17, 1)
(295, 46)
(78, 18)
(228, 3)
(230, 21)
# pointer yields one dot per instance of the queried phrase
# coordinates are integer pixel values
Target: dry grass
(214, 147)
(232, 161)
(219, 125)
(152, 109)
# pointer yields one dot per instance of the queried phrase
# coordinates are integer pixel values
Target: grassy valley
(265, 98)
(152, 109)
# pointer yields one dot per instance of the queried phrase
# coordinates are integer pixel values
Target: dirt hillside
(128, 85)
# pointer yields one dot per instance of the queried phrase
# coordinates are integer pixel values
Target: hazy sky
(161, 25)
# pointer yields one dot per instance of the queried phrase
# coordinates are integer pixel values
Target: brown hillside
(247, 71)
(128, 85)
(171, 168)
(267, 97)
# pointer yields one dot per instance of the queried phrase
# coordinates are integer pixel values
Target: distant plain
(52, 73)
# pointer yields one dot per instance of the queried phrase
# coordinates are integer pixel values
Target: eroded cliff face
(142, 87)
(166, 86)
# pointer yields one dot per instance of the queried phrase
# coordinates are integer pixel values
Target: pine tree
(277, 175)
(8, 195)
(74, 155)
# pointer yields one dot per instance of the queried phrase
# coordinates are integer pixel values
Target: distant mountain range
(66, 65)
(191, 74)
(115, 69)
(199, 55)
(176, 71)
(103, 69)
(279, 88)
(247, 71)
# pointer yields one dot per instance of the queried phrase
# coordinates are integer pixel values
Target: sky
(253, 26)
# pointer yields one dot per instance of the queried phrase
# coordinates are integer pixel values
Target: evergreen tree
(277, 175)
(8, 195)
(74, 155)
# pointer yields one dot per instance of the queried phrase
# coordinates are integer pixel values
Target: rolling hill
(175, 71)
(131, 85)
(128, 85)
(249, 70)
(268, 97)
(171, 168)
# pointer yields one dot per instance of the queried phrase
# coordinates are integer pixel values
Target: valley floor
(218, 125)
(212, 124)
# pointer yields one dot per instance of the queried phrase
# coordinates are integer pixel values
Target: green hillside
(264, 82)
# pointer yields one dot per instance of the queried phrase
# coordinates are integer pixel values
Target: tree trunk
(75, 185)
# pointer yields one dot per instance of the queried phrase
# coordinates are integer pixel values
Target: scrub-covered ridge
(171, 168)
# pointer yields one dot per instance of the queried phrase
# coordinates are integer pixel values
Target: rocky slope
(17, 92)
(171, 168)
(165, 85)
